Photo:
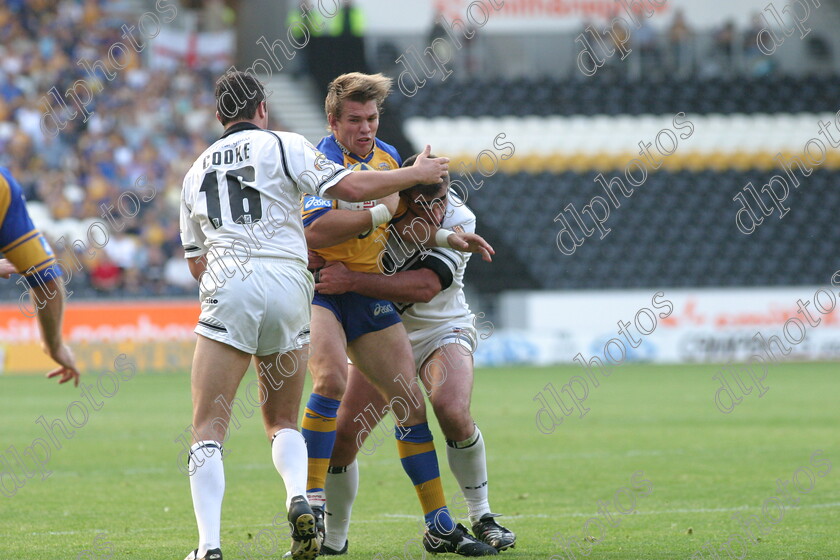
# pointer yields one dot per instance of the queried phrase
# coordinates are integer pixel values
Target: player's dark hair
(358, 87)
(238, 94)
(412, 193)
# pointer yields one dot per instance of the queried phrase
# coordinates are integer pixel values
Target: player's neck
(348, 152)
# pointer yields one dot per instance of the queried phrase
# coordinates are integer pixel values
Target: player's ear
(332, 120)
(219, 117)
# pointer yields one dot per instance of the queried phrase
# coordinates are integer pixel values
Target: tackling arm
(361, 186)
(336, 226)
(329, 228)
(409, 286)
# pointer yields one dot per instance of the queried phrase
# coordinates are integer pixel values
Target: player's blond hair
(359, 87)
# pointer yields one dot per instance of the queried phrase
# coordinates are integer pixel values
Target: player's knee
(454, 419)
(329, 383)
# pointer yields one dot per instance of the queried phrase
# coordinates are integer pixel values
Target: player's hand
(432, 170)
(64, 356)
(471, 243)
(7, 268)
(334, 278)
(316, 261)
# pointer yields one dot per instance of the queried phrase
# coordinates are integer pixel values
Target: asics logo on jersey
(313, 202)
(381, 309)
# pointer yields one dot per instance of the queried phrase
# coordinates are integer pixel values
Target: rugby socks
(469, 465)
(288, 451)
(342, 487)
(207, 485)
(318, 429)
(417, 454)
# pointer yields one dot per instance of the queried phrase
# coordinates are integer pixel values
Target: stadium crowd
(145, 123)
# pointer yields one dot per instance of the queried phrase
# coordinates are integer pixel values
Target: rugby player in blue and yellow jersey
(25, 251)
(367, 330)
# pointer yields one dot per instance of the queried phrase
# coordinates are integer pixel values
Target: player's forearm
(337, 226)
(410, 286)
(51, 296)
(362, 186)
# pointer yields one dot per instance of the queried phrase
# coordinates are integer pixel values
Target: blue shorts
(359, 314)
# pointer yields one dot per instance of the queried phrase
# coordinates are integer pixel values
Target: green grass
(118, 475)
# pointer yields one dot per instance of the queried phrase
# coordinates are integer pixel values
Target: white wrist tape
(380, 214)
(442, 238)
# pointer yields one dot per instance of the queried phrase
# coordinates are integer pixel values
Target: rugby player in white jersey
(441, 329)
(243, 240)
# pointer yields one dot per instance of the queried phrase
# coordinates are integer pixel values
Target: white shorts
(425, 341)
(267, 311)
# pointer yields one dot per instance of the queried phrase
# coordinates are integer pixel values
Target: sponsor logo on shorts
(382, 308)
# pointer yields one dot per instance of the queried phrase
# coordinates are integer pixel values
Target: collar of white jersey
(239, 127)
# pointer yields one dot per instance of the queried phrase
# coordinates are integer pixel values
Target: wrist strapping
(442, 238)
(380, 215)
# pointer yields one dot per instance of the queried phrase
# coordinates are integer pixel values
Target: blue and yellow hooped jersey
(20, 241)
(359, 254)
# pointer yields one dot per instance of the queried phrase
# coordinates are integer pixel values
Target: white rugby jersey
(243, 194)
(449, 305)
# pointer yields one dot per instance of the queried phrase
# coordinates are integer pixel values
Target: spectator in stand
(645, 39)
(680, 41)
(105, 275)
(724, 47)
(755, 62)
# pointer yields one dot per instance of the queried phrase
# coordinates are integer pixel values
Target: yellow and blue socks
(318, 429)
(417, 454)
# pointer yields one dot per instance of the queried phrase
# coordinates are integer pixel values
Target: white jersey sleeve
(192, 237)
(310, 169)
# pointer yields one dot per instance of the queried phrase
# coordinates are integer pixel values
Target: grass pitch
(116, 490)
